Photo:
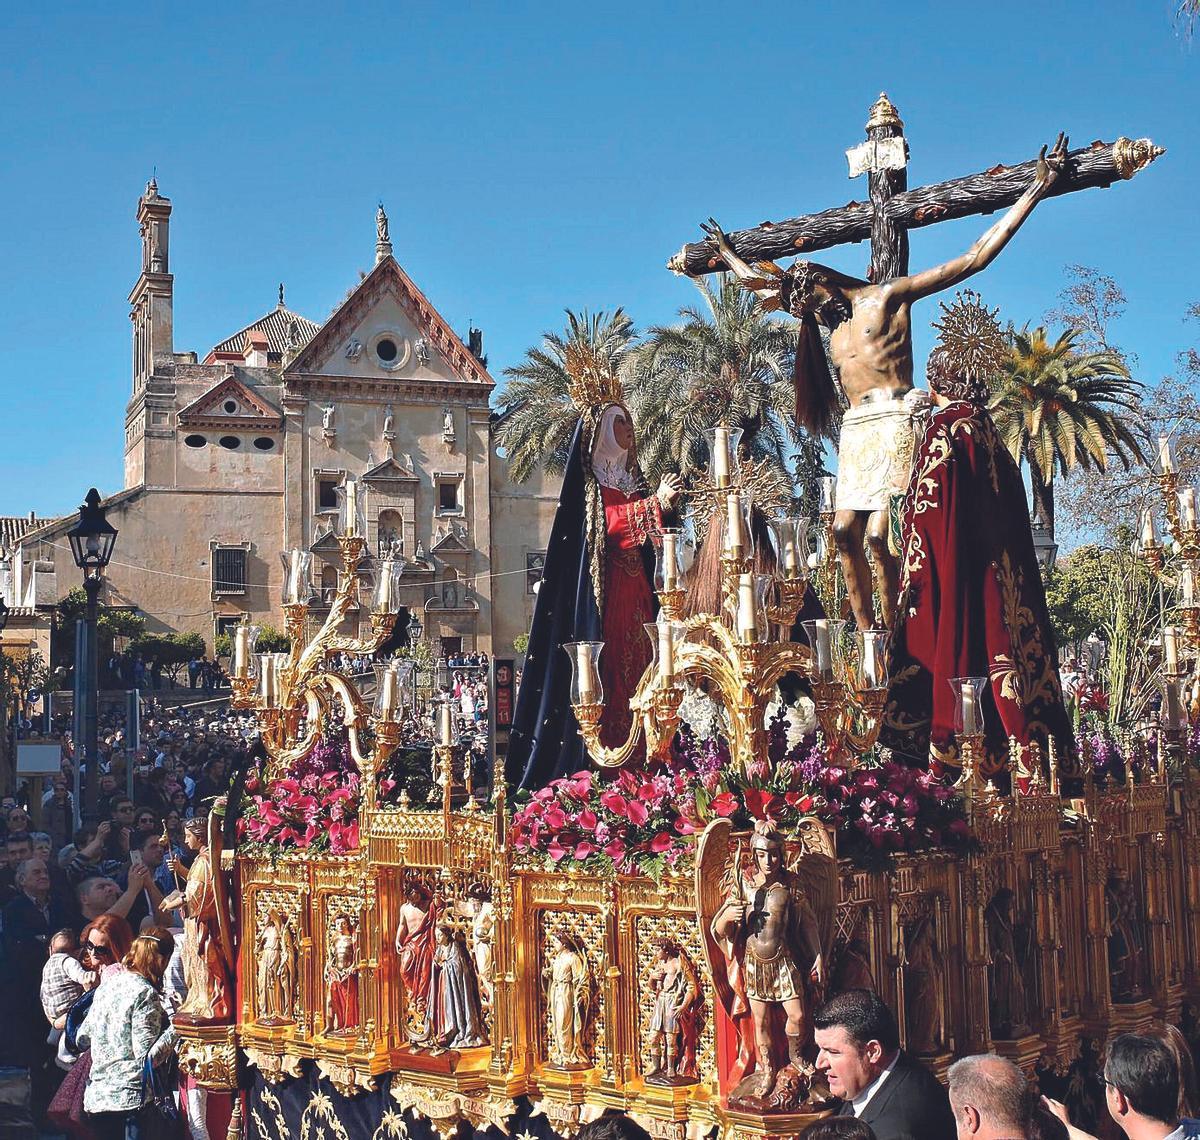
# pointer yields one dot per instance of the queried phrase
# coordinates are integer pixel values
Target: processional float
(410, 952)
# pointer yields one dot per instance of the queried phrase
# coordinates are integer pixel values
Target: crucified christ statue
(870, 342)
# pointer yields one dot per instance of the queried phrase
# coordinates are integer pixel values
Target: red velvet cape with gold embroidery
(972, 601)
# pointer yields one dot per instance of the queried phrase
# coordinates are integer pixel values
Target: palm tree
(537, 419)
(727, 363)
(1059, 408)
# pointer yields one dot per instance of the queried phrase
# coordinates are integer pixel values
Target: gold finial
(884, 114)
(594, 381)
(1132, 155)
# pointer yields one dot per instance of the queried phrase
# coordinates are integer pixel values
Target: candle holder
(665, 637)
(968, 706)
(245, 691)
(294, 616)
(790, 595)
(668, 561)
(385, 598)
(739, 532)
(789, 535)
(352, 508)
(243, 641)
(586, 686)
(970, 750)
(297, 577)
(870, 670)
(670, 603)
(723, 444)
(270, 679)
(825, 641)
(829, 697)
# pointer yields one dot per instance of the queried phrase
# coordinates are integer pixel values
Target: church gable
(231, 404)
(386, 329)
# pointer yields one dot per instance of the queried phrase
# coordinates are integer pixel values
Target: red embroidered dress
(629, 523)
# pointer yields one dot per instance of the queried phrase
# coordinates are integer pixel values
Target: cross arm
(1098, 165)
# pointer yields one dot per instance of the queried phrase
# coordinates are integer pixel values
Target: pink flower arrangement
(313, 808)
(646, 821)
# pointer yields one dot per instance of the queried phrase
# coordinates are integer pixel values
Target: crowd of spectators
(89, 914)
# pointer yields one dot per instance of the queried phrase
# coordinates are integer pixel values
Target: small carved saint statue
(483, 922)
(341, 977)
(455, 1012)
(275, 950)
(569, 992)
(1006, 980)
(327, 414)
(415, 946)
(674, 1021)
(389, 422)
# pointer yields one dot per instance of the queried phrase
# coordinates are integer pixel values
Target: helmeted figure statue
(766, 950)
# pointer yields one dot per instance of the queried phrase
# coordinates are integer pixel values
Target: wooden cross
(893, 210)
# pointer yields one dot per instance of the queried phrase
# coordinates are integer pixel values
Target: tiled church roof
(275, 324)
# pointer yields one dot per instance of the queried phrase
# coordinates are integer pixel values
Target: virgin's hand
(669, 489)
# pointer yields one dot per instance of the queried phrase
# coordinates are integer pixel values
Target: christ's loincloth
(874, 455)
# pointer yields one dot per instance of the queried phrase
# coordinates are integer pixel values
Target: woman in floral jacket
(125, 1025)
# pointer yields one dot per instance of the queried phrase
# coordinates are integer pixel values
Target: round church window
(386, 350)
(230, 406)
(230, 441)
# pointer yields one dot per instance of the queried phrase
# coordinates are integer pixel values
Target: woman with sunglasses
(146, 820)
(104, 943)
(126, 1025)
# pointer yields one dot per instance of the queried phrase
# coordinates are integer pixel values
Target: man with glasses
(1141, 1089)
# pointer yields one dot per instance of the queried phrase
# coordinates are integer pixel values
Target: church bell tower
(151, 314)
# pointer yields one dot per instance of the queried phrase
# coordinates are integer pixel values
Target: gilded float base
(566, 1085)
(275, 1067)
(452, 1070)
(759, 1126)
(1024, 1052)
(208, 1054)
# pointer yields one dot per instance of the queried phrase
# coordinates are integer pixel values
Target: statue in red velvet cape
(972, 601)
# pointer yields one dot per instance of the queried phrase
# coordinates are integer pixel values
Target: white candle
(666, 650)
(1187, 507)
(270, 680)
(970, 710)
(828, 493)
(735, 538)
(1170, 640)
(1166, 456)
(820, 646)
(1187, 584)
(241, 650)
(293, 590)
(720, 458)
(870, 664)
(791, 556)
(583, 673)
(351, 508)
(1149, 534)
(1174, 705)
(747, 619)
(670, 557)
(389, 697)
(384, 594)
(447, 724)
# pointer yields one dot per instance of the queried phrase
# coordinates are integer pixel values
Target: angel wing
(712, 866)
(816, 867)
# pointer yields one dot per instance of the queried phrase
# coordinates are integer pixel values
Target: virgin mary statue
(597, 585)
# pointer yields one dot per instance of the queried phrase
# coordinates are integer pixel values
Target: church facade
(234, 457)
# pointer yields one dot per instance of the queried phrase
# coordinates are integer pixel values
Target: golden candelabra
(741, 653)
(1180, 645)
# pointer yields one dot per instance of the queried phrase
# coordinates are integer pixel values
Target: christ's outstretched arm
(984, 251)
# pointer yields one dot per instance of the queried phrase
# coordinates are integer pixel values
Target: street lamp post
(415, 629)
(92, 540)
(1045, 549)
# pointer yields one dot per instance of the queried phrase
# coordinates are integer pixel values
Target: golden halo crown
(594, 382)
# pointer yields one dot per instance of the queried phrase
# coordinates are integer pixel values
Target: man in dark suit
(878, 1082)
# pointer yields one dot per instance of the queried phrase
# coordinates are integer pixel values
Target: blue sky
(531, 157)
